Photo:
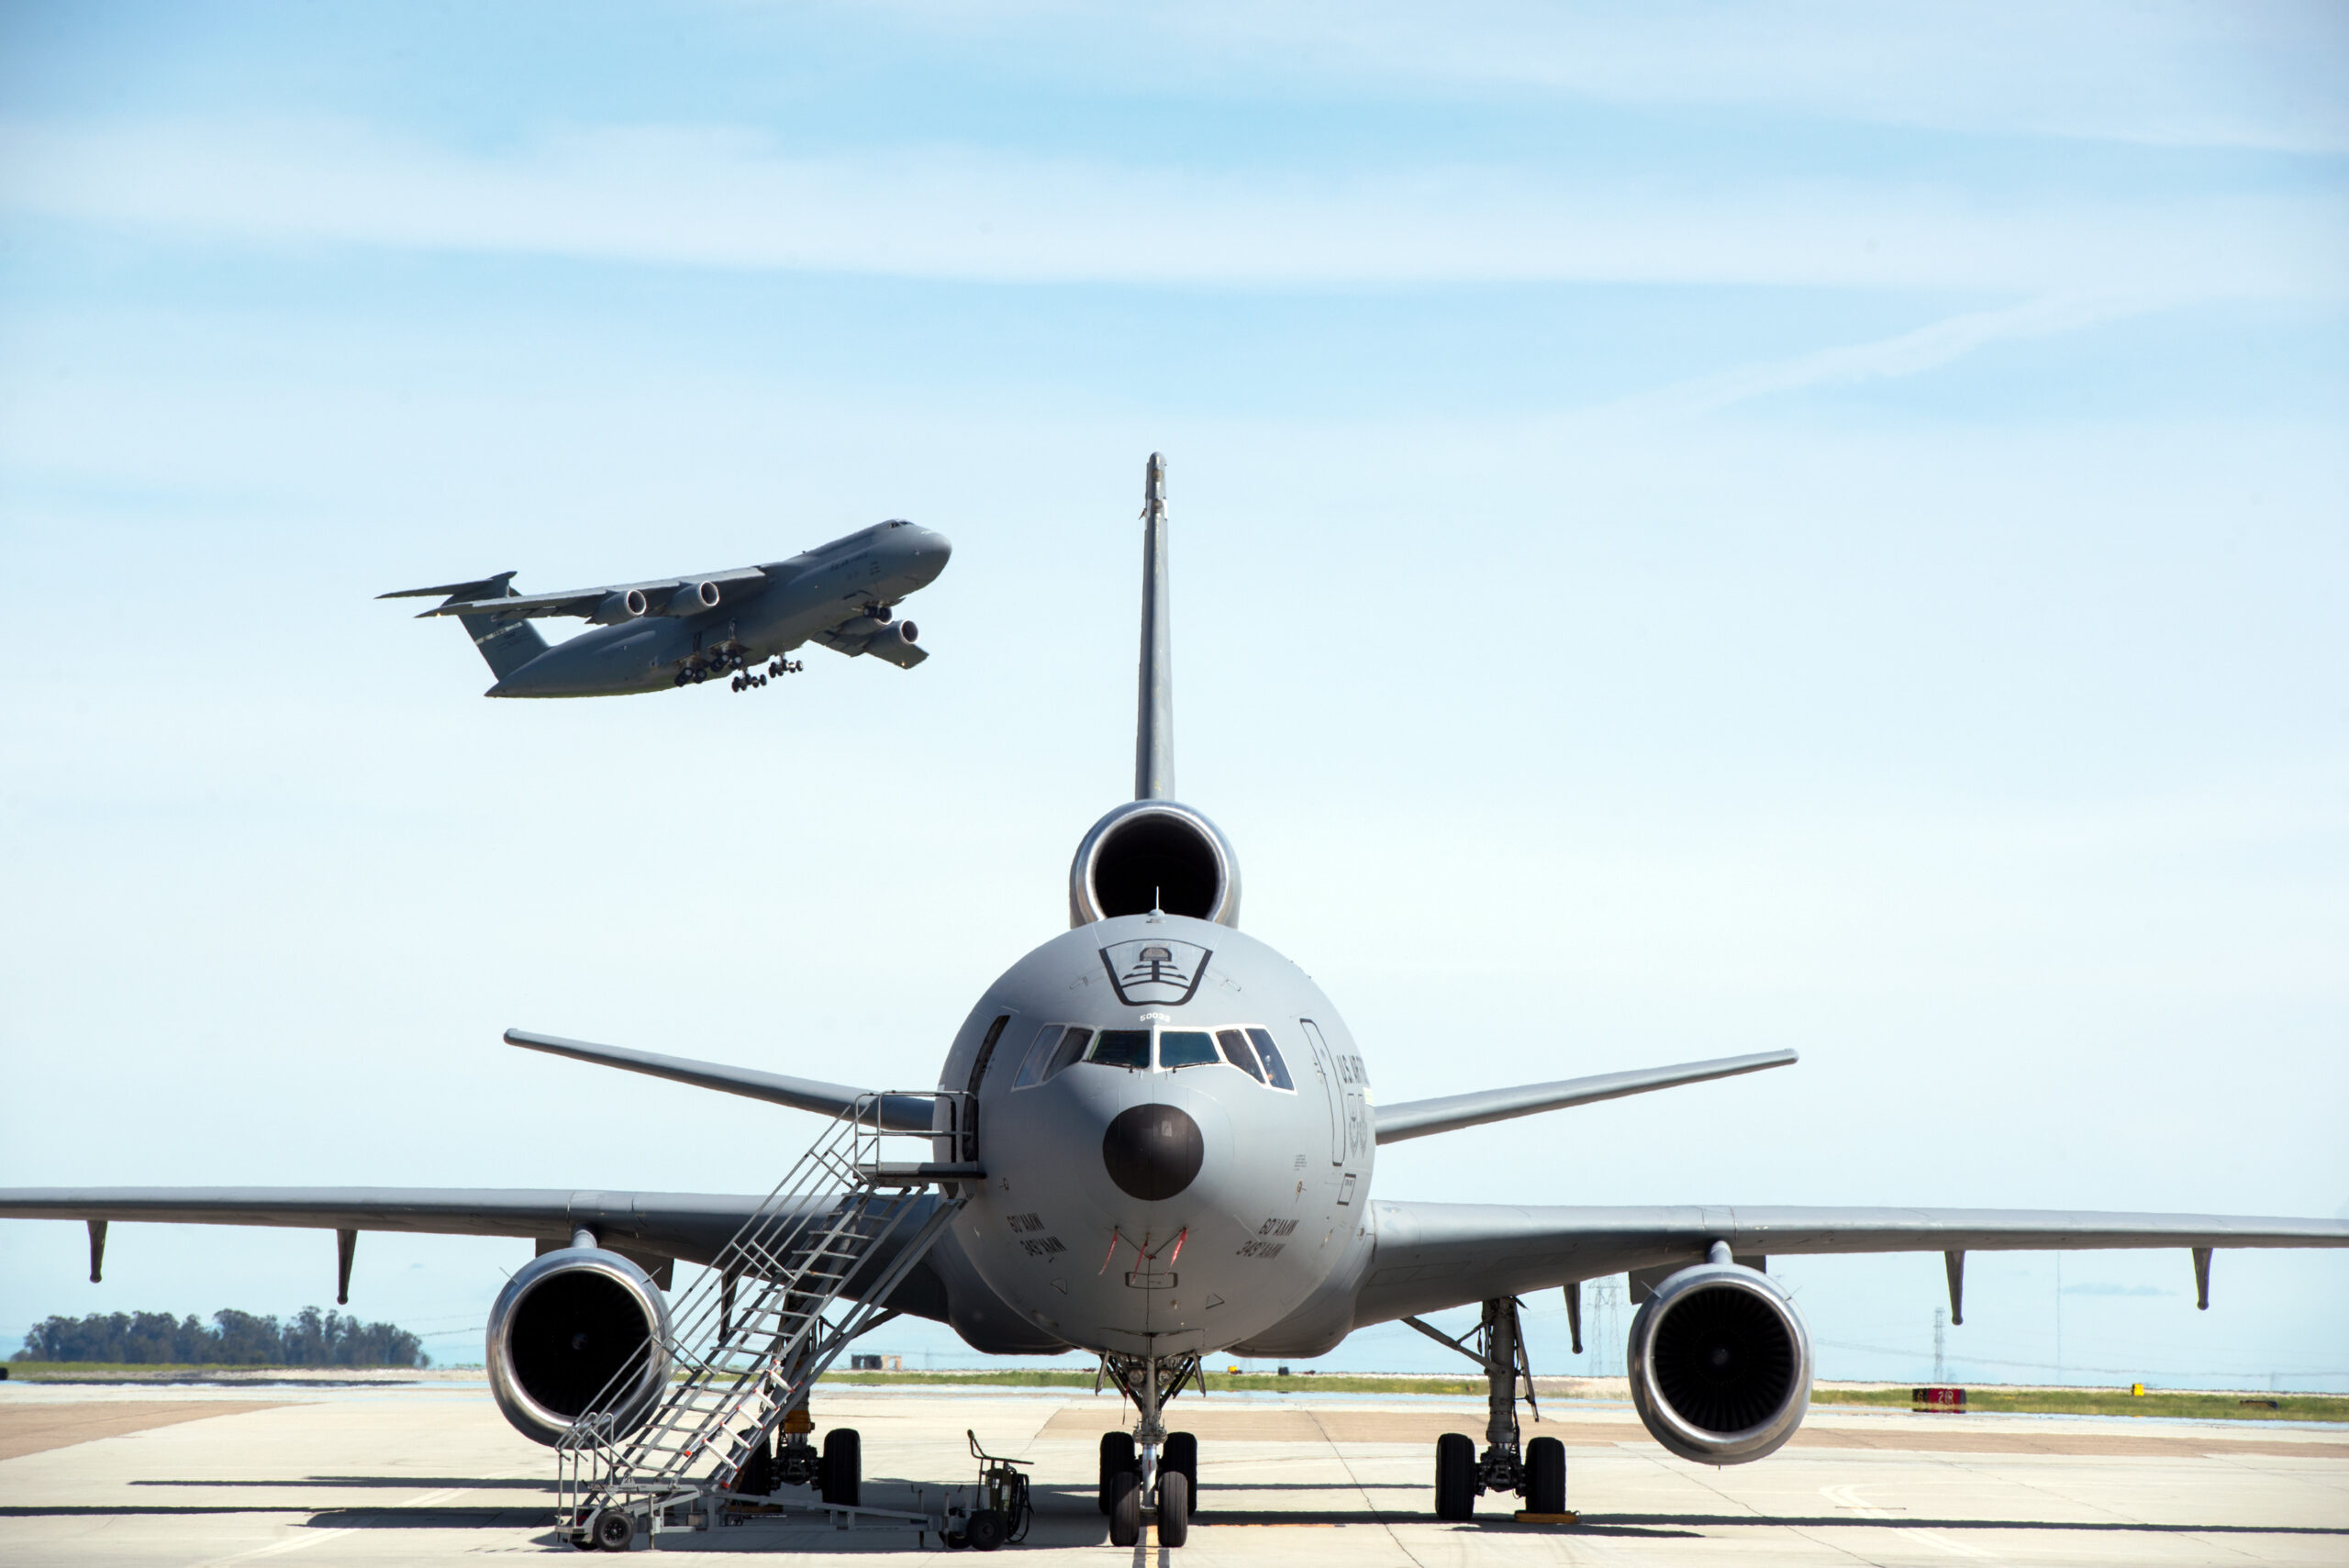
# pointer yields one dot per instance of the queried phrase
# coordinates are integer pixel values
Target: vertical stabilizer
(1154, 721)
(506, 644)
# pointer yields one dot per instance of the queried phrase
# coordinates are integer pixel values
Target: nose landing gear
(1150, 1469)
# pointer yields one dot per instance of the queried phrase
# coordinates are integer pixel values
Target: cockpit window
(1186, 1048)
(1122, 1048)
(1274, 1068)
(1239, 1052)
(1072, 1047)
(1056, 1046)
(1031, 1066)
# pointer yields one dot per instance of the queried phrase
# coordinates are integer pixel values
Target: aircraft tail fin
(1154, 721)
(506, 645)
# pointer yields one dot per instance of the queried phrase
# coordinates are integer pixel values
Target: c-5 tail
(506, 645)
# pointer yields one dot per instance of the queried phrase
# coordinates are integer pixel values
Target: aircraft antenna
(1154, 722)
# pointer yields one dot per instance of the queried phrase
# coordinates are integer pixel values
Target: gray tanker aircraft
(1153, 1140)
(643, 637)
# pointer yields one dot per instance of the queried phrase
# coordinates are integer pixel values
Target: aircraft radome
(1153, 1140)
(676, 631)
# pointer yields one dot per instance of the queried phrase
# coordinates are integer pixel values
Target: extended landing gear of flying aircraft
(1150, 1469)
(1534, 1471)
(749, 680)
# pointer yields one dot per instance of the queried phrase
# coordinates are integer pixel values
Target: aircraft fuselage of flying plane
(646, 636)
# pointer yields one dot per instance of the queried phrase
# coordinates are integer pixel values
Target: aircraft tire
(1455, 1478)
(843, 1467)
(1125, 1507)
(1182, 1454)
(1174, 1507)
(1116, 1459)
(1545, 1476)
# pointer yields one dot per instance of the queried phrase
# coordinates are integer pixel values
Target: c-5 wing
(1429, 1256)
(1418, 1118)
(656, 597)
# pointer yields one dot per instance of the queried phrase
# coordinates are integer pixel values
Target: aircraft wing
(692, 1226)
(1429, 1256)
(650, 1227)
(586, 601)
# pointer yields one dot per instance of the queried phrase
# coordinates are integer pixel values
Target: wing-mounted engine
(1155, 854)
(567, 1327)
(1720, 1365)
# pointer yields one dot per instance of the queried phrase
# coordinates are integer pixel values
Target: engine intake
(691, 599)
(897, 642)
(578, 1329)
(1153, 854)
(1720, 1365)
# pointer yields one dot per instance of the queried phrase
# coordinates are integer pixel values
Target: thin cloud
(1907, 354)
(732, 199)
(2244, 75)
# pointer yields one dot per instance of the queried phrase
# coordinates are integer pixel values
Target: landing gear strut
(1534, 1471)
(1149, 1468)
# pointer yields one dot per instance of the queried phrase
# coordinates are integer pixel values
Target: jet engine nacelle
(1720, 1365)
(1155, 854)
(691, 599)
(896, 643)
(617, 607)
(578, 1329)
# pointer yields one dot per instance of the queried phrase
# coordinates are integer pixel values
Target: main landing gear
(1535, 1471)
(791, 1460)
(737, 662)
(1150, 1469)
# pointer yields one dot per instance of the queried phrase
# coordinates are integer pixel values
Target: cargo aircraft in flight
(676, 631)
(1153, 1140)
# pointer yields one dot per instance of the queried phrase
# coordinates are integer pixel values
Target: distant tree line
(309, 1337)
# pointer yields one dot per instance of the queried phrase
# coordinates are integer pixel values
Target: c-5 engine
(1720, 1365)
(569, 1326)
(1155, 854)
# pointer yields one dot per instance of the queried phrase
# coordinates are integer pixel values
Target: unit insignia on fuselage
(1155, 970)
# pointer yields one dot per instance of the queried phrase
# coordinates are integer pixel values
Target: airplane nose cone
(1152, 1151)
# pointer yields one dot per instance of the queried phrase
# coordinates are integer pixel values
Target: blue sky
(1698, 531)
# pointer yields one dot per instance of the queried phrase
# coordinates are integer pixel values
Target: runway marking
(276, 1547)
(1847, 1495)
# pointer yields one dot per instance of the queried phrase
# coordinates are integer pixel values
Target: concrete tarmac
(425, 1471)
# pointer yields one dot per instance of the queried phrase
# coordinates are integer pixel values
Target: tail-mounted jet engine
(571, 1325)
(1155, 854)
(1720, 1365)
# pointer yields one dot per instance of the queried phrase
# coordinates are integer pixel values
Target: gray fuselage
(1151, 1207)
(802, 596)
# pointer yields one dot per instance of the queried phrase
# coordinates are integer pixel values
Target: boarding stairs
(771, 1313)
